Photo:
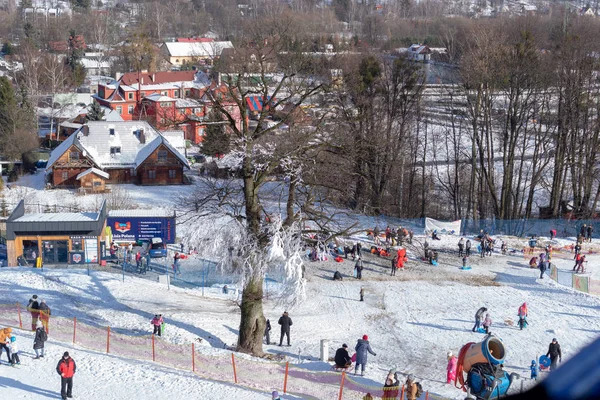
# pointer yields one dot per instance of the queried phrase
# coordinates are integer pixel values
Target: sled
(479, 248)
(465, 268)
(434, 263)
(509, 322)
(481, 330)
(339, 259)
(162, 329)
(355, 274)
(544, 363)
(337, 368)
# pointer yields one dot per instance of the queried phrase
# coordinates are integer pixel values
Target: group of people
(586, 232)
(394, 236)
(285, 322)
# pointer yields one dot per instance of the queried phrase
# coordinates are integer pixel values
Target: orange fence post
(107, 339)
(342, 385)
(402, 393)
(193, 358)
(233, 363)
(74, 328)
(19, 311)
(153, 353)
(287, 366)
(427, 395)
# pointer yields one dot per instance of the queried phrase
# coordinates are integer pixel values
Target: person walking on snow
(554, 353)
(362, 349)
(358, 267)
(362, 294)
(534, 370)
(394, 266)
(38, 341)
(487, 323)
(522, 314)
(543, 266)
(285, 321)
(5, 334)
(468, 247)
(176, 264)
(14, 351)
(461, 247)
(45, 313)
(66, 369)
(157, 321)
(451, 368)
(590, 232)
(34, 308)
(268, 331)
(479, 318)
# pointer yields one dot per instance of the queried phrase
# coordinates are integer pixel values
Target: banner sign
(447, 228)
(132, 229)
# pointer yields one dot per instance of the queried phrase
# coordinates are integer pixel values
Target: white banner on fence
(447, 228)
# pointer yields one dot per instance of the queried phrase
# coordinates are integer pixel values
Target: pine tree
(216, 140)
(95, 113)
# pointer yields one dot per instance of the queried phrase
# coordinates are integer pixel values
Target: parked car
(158, 248)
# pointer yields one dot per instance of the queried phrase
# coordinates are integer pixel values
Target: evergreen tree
(95, 113)
(216, 140)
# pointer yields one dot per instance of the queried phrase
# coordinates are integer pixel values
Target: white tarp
(442, 227)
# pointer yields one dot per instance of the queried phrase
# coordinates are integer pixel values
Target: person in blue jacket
(362, 349)
(534, 370)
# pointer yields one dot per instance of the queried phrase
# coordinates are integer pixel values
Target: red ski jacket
(66, 367)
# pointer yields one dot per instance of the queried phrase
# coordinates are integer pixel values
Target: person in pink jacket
(487, 322)
(451, 369)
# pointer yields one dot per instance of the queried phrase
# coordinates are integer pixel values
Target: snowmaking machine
(482, 363)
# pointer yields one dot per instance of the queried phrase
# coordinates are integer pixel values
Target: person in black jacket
(267, 332)
(285, 321)
(554, 353)
(34, 308)
(479, 318)
(342, 358)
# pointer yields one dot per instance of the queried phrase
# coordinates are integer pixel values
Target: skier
(66, 369)
(579, 264)
(342, 358)
(534, 370)
(478, 318)
(14, 351)
(451, 368)
(362, 349)
(45, 313)
(157, 321)
(362, 294)
(554, 353)
(522, 314)
(33, 307)
(5, 334)
(461, 246)
(487, 323)
(285, 321)
(268, 331)
(468, 247)
(38, 341)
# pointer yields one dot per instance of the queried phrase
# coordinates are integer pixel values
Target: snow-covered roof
(61, 149)
(72, 125)
(176, 138)
(187, 103)
(94, 171)
(178, 49)
(94, 63)
(144, 153)
(155, 212)
(59, 217)
(111, 115)
(158, 97)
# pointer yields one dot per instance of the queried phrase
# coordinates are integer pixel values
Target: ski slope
(412, 320)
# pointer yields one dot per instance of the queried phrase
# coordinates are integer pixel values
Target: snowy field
(412, 319)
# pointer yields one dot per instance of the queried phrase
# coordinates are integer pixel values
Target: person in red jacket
(66, 369)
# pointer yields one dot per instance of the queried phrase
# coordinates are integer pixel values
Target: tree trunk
(252, 324)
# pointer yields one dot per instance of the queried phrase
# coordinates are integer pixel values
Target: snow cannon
(483, 365)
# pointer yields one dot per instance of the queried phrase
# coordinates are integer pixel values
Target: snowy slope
(411, 322)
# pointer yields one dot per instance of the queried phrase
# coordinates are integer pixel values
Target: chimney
(86, 130)
(141, 136)
(142, 80)
(118, 75)
(153, 78)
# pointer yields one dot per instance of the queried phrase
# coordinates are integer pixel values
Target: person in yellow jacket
(5, 334)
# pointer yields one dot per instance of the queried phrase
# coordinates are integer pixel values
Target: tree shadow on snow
(343, 298)
(13, 383)
(442, 327)
(232, 330)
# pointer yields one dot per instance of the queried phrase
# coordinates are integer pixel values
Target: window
(74, 155)
(97, 183)
(76, 244)
(130, 110)
(143, 94)
(172, 174)
(119, 110)
(115, 150)
(187, 92)
(111, 131)
(176, 93)
(152, 174)
(65, 175)
(130, 95)
(165, 104)
(162, 156)
(197, 111)
(164, 93)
